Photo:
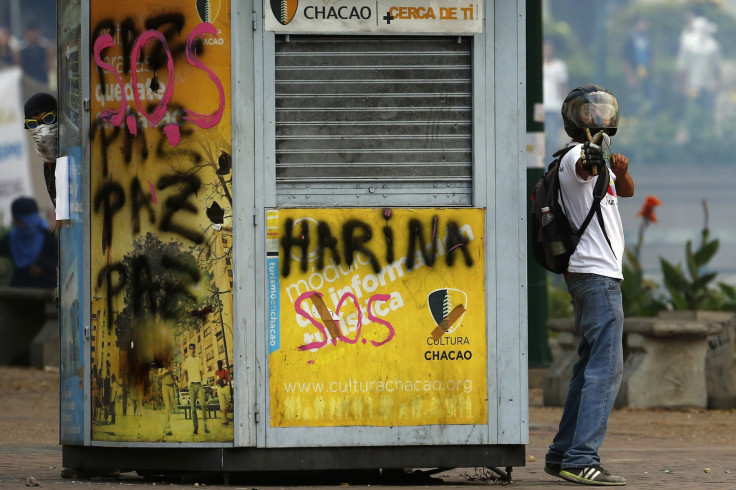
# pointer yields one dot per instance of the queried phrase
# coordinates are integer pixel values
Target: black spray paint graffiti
(156, 281)
(357, 234)
(161, 37)
(110, 200)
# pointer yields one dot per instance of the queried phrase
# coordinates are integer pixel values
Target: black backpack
(554, 243)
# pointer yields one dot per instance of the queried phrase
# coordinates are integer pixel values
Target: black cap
(38, 104)
(23, 206)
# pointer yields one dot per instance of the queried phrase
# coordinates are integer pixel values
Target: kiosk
(324, 197)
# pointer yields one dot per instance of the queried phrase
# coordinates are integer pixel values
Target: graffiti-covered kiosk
(296, 234)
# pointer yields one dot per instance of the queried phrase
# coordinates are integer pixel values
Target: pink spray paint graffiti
(204, 121)
(160, 109)
(326, 332)
(172, 131)
(113, 117)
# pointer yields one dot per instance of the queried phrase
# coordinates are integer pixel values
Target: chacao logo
(208, 10)
(447, 307)
(284, 10)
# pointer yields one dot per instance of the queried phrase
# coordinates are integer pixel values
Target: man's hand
(591, 157)
(620, 168)
(619, 164)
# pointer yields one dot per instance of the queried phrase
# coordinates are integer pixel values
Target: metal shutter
(373, 120)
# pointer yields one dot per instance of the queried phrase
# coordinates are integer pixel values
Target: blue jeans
(596, 377)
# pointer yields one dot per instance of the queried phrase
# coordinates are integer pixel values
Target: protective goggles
(48, 118)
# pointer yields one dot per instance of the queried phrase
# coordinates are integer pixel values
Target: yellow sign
(161, 221)
(376, 317)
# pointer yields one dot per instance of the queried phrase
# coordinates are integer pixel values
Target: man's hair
(192, 346)
(219, 364)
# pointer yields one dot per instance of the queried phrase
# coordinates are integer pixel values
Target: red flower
(647, 210)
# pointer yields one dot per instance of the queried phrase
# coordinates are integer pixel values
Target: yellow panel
(381, 317)
(161, 214)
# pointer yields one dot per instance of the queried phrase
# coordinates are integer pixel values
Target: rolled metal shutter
(373, 120)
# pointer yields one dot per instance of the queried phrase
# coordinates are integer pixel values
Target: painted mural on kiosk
(161, 221)
(376, 317)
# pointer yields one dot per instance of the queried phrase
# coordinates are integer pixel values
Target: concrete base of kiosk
(161, 460)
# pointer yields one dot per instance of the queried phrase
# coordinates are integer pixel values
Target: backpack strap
(599, 192)
(559, 154)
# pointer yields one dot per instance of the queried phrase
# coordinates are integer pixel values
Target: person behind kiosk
(192, 367)
(31, 246)
(41, 122)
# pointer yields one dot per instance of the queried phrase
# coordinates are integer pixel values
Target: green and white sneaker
(553, 469)
(592, 475)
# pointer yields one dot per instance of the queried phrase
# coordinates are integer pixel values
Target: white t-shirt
(554, 81)
(193, 368)
(593, 255)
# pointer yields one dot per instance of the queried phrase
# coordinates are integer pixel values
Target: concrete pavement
(646, 463)
(652, 449)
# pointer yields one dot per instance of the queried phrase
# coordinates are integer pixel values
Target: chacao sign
(350, 16)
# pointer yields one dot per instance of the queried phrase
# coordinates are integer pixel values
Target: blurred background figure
(31, 246)
(636, 63)
(555, 88)
(698, 68)
(35, 54)
(8, 56)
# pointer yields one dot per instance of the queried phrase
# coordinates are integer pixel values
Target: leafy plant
(638, 293)
(639, 296)
(692, 291)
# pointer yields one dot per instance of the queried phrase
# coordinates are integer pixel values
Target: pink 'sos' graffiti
(116, 117)
(329, 328)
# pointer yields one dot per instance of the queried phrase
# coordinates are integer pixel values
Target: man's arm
(624, 182)
(185, 373)
(619, 167)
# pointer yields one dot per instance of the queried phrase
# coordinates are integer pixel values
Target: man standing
(222, 379)
(168, 392)
(36, 53)
(637, 65)
(193, 369)
(698, 67)
(593, 280)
